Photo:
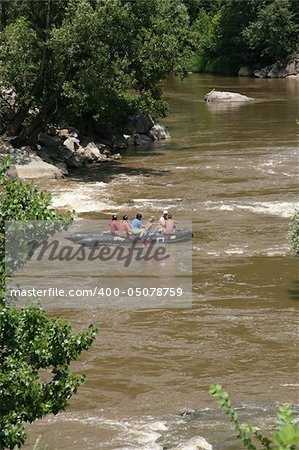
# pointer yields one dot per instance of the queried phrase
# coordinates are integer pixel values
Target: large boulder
(143, 139)
(91, 152)
(35, 169)
(146, 131)
(262, 73)
(292, 68)
(245, 71)
(94, 152)
(49, 141)
(75, 161)
(108, 134)
(222, 96)
(159, 131)
(141, 124)
(280, 69)
(116, 157)
(65, 147)
(21, 155)
(72, 144)
(195, 443)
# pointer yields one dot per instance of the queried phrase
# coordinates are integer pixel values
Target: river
(233, 170)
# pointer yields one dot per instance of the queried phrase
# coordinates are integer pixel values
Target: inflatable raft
(90, 239)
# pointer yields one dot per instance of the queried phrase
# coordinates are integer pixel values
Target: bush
(284, 438)
(294, 233)
(274, 34)
(29, 340)
(68, 59)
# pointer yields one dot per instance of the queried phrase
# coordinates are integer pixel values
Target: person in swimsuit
(170, 225)
(125, 228)
(114, 225)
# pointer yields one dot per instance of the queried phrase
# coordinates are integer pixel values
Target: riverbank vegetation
(294, 233)
(79, 60)
(285, 437)
(232, 33)
(36, 351)
(76, 61)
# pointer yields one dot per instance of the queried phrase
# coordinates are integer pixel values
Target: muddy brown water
(232, 169)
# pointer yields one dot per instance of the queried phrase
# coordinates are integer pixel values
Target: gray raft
(91, 239)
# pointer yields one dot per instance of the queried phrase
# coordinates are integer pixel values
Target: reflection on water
(233, 171)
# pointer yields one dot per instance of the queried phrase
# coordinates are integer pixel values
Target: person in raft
(162, 221)
(114, 225)
(137, 225)
(148, 228)
(124, 228)
(170, 225)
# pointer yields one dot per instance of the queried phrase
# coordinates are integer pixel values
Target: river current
(233, 170)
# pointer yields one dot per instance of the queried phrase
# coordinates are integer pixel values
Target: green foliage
(31, 342)
(235, 17)
(194, 7)
(254, 32)
(24, 202)
(208, 58)
(284, 438)
(35, 351)
(82, 57)
(20, 55)
(274, 34)
(205, 27)
(294, 233)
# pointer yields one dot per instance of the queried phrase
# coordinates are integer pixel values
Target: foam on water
(156, 200)
(278, 250)
(275, 208)
(147, 433)
(234, 251)
(87, 197)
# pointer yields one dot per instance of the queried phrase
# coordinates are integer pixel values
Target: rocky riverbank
(59, 150)
(280, 69)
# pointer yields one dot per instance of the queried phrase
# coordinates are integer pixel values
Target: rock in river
(36, 168)
(26, 165)
(195, 443)
(142, 124)
(280, 69)
(245, 71)
(159, 131)
(221, 96)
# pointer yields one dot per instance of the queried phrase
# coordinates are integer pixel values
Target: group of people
(124, 227)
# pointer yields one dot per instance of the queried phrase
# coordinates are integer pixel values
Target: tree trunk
(46, 112)
(15, 125)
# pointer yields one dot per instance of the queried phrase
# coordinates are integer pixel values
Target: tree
(29, 340)
(90, 57)
(194, 7)
(235, 17)
(254, 32)
(205, 27)
(274, 33)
